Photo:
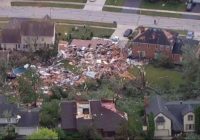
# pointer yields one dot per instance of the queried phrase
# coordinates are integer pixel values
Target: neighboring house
(25, 121)
(26, 35)
(171, 118)
(150, 43)
(102, 114)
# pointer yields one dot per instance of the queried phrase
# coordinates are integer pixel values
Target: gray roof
(157, 105)
(12, 108)
(37, 28)
(28, 119)
(10, 36)
(2, 99)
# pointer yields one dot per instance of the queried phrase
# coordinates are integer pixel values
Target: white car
(190, 35)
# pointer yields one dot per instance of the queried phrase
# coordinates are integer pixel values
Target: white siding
(162, 130)
(25, 130)
(188, 122)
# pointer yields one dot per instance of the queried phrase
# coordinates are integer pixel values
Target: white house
(26, 35)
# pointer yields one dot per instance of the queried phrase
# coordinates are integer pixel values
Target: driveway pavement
(96, 5)
(121, 29)
(5, 3)
(196, 9)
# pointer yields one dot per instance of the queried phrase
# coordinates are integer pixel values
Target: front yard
(161, 5)
(82, 32)
(45, 4)
(115, 2)
(78, 1)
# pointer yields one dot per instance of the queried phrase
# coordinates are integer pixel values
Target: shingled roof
(155, 36)
(10, 36)
(174, 110)
(99, 113)
(37, 28)
(28, 119)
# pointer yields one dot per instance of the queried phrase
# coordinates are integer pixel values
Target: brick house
(149, 43)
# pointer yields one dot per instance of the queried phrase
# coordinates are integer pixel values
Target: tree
(150, 127)
(29, 87)
(58, 93)
(44, 134)
(8, 133)
(197, 120)
(192, 136)
(50, 114)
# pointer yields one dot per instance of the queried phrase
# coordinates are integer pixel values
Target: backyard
(159, 76)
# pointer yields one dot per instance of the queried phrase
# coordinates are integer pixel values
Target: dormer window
(85, 111)
(190, 118)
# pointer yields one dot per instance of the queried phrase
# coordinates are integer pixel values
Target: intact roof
(174, 110)
(157, 105)
(99, 119)
(155, 36)
(37, 28)
(12, 108)
(28, 119)
(68, 115)
(10, 36)
(2, 99)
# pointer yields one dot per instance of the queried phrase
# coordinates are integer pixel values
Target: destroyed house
(171, 117)
(25, 121)
(150, 43)
(25, 34)
(77, 115)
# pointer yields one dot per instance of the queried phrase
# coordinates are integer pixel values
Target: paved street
(98, 16)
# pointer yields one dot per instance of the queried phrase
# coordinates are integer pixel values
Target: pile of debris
(95, 58)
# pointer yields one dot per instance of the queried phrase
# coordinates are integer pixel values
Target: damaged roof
(155, 36)
(99, 112)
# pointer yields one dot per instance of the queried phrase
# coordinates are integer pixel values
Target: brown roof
(155, 36)
(37, 28)
(10, 36)
(100, 112)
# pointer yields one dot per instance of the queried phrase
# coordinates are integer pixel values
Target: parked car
(190, 35)
(128, 32)
(190, 6)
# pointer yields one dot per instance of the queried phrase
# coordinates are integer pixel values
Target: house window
(190, 118)
(85, 110)
(189, 126)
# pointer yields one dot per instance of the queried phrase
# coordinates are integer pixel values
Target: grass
(111, 9)
(83, 33)
(172, 5)
(181, 32)
(159, 76)
(78, 1)
(115, 2)
(149, 13)
(42, 4)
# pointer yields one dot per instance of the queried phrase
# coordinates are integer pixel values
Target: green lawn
(158, 76)
(111, 9)
(115, 2)
(83, 33)
(78, 1)
(172, 5)
(149, 13)
(42, 4)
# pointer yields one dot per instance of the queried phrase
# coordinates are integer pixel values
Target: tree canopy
(44, 134)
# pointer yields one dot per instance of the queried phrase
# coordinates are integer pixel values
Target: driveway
(96, 5)
(5, 3)
(120, 31)
(131, 3)
(196, 9)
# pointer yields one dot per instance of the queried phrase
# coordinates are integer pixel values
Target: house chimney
(146, 101)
